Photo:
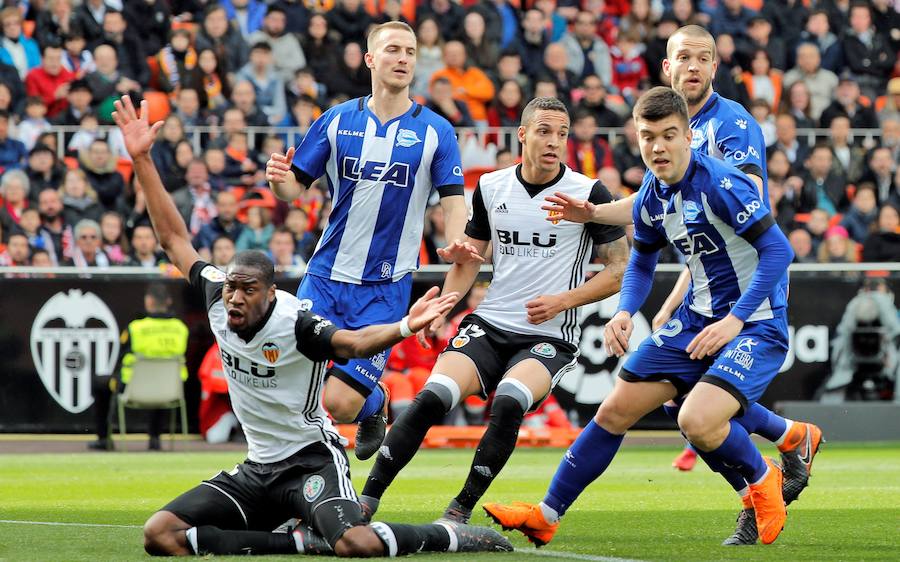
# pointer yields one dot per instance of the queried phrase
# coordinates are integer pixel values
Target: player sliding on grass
(523, 337)
(722, 129)
(724, 344)
(275, 354)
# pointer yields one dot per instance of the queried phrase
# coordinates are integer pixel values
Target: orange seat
(125, 167)
(158, 107)
(472, 175)
(71, 162)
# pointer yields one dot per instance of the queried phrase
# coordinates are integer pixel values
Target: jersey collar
(250, 333)
(534, 188)
(364, 106)
(710, 103)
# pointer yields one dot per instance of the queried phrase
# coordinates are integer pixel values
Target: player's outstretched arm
(606, 283)
(281, 178)
(566, 207)
(167, 222)
(456, 215)
(369, 341)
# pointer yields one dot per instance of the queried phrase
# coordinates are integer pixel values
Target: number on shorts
(671, 328)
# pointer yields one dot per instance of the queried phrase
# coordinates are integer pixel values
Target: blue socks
(374, 402)
(738, 453)
(763, 422)
(585, 460)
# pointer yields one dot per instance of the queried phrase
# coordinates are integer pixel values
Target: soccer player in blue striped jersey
(722, 347)
(722, 129)
(381, 157)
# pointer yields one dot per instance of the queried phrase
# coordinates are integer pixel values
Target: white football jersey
(275, 379)
(533, 256)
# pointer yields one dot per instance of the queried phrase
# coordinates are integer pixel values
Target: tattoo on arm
(614, 256)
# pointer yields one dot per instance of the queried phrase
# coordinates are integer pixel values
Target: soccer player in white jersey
(722, 129)
(274, 353)
(524, 336)
(723, 345)
(381, 156)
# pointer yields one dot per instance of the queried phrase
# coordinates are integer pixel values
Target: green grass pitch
(640, 509)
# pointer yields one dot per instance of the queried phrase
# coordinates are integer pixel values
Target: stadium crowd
(213, 69)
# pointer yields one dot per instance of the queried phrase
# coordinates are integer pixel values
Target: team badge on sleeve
(271, 352)
(544, 349)
(313, 488)
(213, 274)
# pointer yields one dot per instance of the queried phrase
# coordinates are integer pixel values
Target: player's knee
(511, 401)
(358, 542)
(696, 426)
(343, 406)
(614, 417)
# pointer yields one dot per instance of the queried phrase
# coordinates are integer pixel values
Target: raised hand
(566, 207)
(279, 165)
(430, 307)
(460, 252)
(137, 131)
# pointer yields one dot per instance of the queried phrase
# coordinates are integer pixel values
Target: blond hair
(378, 29)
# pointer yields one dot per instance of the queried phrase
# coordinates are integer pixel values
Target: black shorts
(494, 352)
(313, 485)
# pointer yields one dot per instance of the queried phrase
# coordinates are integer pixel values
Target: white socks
(550, 514)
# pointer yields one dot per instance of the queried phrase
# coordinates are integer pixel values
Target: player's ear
(271, 293)
(521, 134)
(370, 60)
(667, 68)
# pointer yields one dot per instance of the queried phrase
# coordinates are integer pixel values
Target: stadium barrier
(62, 328)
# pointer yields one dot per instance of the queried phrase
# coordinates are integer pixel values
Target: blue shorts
(352, 307)
(744, 367)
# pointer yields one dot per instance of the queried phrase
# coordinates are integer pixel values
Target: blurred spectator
(787, 17)
(796, 102)
(223, 251)
(297, 221)
(556, 69)
(243, 97)
(54, 23)
(214, 158)
(14, 191)
(79, 100)
(509, 67)
(881, 173)
(305, 84)
(630, 76)
(187, 108)
(729, 79)
(837, 247)
(778, 166)
(391, 10)
(163, 153)
(244, 15)
(847, 102)
(268, 87)
(781, 208)
(144, 252)
(686, 14)
(197, 208)
(352, 77)
(801, 243)
(99, 167)
(34, 124)
(224, 224)
(210, 81)
(505, 158)
(586, 52)
(890, 137)
(448, 14)
(225, 41)
(656, 50)
(816, 226)
(281, 248)
(849, 160)
(594, 101)
(349, 20)
(14, 89)
(482, 50)
(87, 251)
(886, 17)
(41, 258)
(16, 49)
(733, 18)
(863, 212)
(151, 21)
(891, 108)
(640, 19)
(506, 111)
(17, 251)
(587, 151)
(50, 81)
(176, 60)
(79, 199)
(762, 114)
(108, 83)
(90, 16)
(257, 233)
(43, 170)
(501, 18)
(762, 81)
(241, 162)
(429, 59)
(38, 239)
(287, 53)
(440, 100)
(627, 157)
(759, 36)
(76, 58)
(557, 23)
(12, 151)
(470, 84)
(818, 32)
(113, 239)
(302, 115)
(820, 82)
(883, 243)
(53, 223)
(786, 140)
(533, 43)
(866, 52)
(129, 46)
(89, 131)
(321, 50)
(824, 188)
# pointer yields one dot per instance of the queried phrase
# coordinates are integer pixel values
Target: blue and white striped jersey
(725, 130)
(711, 216)
(380, 177)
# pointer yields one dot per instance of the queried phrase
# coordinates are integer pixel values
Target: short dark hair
(544, 104)
(159, 293)
(261, 46)
(258, 261)
(659, 103)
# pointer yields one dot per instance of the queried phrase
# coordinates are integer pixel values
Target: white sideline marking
(58, 524)
(570, 555)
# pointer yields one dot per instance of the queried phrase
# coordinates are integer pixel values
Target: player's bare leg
(346, 404)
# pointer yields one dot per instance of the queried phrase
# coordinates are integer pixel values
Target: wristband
(404, 327)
